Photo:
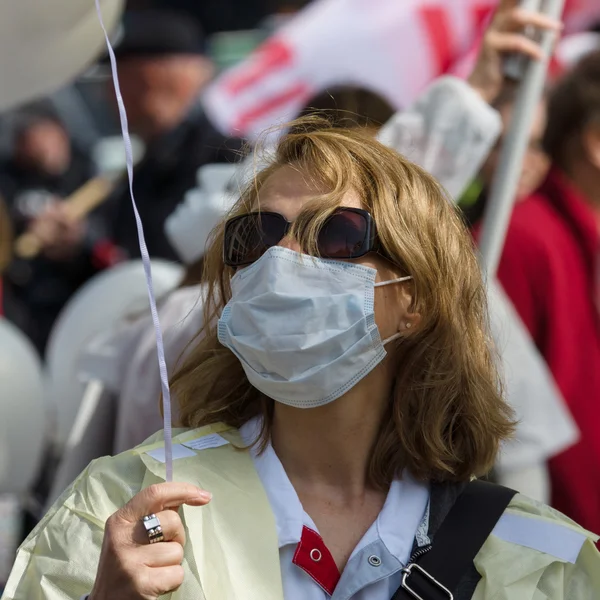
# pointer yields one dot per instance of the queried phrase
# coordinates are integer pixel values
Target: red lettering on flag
(482, 15)
(435, 21)
(273, 55)
(299, 92)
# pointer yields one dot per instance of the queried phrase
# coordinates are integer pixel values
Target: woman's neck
(325, 452)
(330, 446)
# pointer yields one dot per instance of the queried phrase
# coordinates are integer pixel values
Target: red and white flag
(393, 47)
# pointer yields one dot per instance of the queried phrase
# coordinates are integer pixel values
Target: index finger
(162, 496)
(523, 18)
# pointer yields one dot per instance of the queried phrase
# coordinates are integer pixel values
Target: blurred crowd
(66, 223)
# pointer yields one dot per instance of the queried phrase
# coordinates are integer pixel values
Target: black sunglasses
(347, 233)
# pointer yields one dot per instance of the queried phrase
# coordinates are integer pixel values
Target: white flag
(392, 47)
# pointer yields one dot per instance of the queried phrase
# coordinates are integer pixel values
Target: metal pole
(502, 193)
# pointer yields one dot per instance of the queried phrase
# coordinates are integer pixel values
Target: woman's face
(286, 192)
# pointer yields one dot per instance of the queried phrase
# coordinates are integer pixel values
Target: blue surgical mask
(303, 327)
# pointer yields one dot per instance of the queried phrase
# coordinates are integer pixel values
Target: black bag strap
(435, 576)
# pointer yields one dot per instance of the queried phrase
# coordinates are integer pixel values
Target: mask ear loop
(381, 284)
(162, 365)
(392, 338)
(398, 280)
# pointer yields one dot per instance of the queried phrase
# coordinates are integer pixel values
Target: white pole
(504, 187)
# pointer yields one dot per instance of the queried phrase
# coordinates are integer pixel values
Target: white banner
(393, 47)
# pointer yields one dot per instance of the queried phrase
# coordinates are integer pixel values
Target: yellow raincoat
(232, 549)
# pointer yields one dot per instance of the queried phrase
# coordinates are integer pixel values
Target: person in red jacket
(550, 268)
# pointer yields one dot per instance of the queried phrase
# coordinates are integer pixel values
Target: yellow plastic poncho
(232, 550)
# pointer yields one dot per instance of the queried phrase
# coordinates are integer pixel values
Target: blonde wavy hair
(446, 415)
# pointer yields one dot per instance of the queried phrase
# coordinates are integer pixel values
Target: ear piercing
(408, 325)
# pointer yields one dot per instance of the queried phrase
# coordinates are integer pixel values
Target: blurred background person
(163, 69)
(549, 269)
(351, 106)
(536, 162)
(43, 169)
(43, 160)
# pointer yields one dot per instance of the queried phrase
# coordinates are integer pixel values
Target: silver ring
(153, 529)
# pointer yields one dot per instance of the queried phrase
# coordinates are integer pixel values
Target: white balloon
(24, 418)
(45, 44)
(100, 304)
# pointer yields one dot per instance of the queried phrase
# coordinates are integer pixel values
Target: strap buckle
(413, 569)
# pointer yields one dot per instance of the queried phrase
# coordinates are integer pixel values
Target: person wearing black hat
(163, 70)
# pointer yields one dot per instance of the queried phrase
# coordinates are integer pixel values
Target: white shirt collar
(396, 525)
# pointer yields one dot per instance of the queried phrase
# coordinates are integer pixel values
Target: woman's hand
(132, 569)
(505, 35)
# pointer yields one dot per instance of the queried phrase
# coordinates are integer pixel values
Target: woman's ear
(409, 318)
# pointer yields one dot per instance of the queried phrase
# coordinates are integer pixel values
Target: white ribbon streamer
(162, 365)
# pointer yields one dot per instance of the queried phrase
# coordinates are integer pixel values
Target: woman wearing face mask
(449, 130)
(336, 410)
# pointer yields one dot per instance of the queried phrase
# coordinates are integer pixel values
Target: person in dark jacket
(163, 70)
(44, 169)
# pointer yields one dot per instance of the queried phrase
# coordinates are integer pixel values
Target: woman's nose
(290, 243)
